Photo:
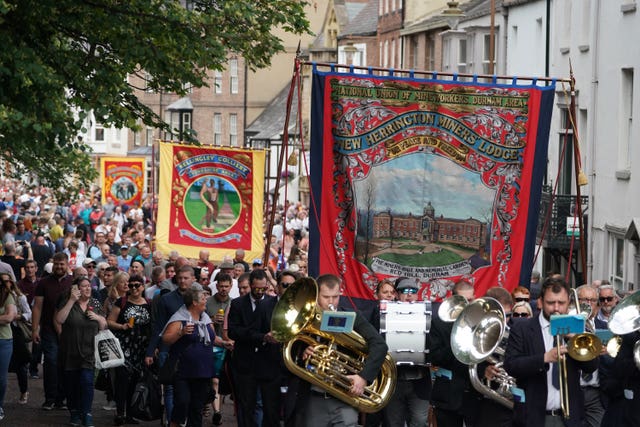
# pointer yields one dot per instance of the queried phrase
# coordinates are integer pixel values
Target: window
(233, 72)
(446, 54)
(137, 138)
(617, 261)
(147, 82)
(626, 119)
(149, 136)
(186, 122)
(217, 129)
(217, 78)
(99, 133)
(486, 53)
(431, 55)
(566, 138)
(233, 130)
(462, 55)
(187, 87)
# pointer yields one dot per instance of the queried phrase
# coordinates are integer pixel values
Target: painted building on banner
(428, 227)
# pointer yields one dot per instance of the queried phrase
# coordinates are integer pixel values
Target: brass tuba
(478, 335)
(296, 322)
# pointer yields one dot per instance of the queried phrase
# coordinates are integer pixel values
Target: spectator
(8, 314)
(130, 319)
(80, 318)
(189, 333)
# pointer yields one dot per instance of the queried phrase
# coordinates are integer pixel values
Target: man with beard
(532, 359)
(48, 292)
(217, 306)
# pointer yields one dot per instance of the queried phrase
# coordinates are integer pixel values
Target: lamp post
(453, 14)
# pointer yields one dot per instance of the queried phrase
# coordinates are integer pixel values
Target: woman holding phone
(80, 317)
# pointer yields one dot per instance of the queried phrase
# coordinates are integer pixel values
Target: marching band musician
(410, 400)
(532, 358)
(453, 398)
(318, 408)
(492, 413)
(629, 373)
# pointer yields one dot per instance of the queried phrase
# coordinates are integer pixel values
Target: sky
(409, 183)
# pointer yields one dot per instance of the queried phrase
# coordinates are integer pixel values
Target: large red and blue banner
(434, 180)
(210, 198)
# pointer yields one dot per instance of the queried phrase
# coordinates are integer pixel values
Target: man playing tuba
(318, 408)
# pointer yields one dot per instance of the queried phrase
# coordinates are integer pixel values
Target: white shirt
(553, 394)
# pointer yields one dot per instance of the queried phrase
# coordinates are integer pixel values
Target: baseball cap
(257, 261)
(88, 261)
(406, 283)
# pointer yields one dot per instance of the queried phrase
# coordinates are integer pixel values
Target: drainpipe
(593, 118)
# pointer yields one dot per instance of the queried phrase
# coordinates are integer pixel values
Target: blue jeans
(53, 390)
(6, 349)
(79, 390)
(168, 389)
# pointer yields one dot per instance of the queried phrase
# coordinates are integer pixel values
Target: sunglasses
(409, 291)
(521, 299)
(135, 285)
(517, 314)
(90, 266)
(284, 285)
(607, 299)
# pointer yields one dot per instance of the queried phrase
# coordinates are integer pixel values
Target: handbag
(102, 382)
(146, 400)
(108, 352)
(27, 331)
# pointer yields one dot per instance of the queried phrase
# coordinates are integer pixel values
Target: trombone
(581, 347)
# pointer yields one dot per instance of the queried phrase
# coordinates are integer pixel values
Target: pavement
(31, 414)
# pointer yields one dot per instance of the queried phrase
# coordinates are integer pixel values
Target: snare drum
(405, 326)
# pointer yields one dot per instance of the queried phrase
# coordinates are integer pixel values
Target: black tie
(587, 377)
(555, 376)
(256, 303)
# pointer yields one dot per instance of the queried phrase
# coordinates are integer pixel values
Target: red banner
(122, 179)
(426, 179)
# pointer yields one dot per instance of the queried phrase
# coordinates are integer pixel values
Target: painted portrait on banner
(432, 180)
(210, 198)
(123, 179)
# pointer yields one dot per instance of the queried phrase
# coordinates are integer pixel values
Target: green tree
(63, 58)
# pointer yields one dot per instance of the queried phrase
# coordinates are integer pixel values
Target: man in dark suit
(530, 357)
(253, 353)
(628, 372)
(315, 407)
(453, 398)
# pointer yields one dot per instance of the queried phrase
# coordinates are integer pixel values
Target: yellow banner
(210, 198)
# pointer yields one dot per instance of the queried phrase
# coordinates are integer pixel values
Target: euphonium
(478, 335)
(296, 322)
(625, 319)
(451, 308)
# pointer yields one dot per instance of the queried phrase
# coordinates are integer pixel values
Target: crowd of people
(71, 270)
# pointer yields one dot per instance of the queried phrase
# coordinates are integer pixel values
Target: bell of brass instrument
(296, 322)
(451, 308)
(478, 335)
(625, 319)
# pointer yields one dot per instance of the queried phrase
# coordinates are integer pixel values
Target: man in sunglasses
(410, 401)
(285, 279)
(607, 300)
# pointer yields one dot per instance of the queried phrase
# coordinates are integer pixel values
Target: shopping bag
(108, 351)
